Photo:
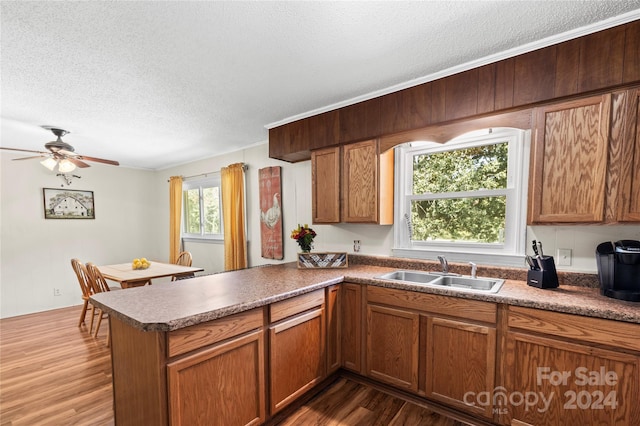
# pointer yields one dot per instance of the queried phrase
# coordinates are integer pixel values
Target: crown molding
(525, 48)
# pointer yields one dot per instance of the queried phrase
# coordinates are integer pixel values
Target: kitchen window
(465, 199)
(202, 209)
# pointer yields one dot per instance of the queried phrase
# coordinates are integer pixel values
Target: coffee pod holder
(545, 276)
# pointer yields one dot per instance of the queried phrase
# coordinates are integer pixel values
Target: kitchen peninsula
(238, 347)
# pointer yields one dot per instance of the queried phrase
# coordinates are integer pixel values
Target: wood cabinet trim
(196, 336)
(579, 328)
(473, 310)
(604, 60)
(295, 305)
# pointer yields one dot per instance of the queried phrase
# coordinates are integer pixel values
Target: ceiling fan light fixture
(66, 166)
(49, 163)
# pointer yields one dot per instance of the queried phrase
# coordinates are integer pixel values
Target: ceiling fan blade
(30, 158)
(98, 160)
(77, 162)
(24, 150)
(70, 155)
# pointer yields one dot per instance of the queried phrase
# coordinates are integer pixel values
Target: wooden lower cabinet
(550, 381)
(568, 369)
(392, 346)
(223, 385)
(351, 318)
(460, 363)
(297, 356)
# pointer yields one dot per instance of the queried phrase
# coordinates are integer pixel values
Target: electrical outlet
(564, 257)
(57, 292)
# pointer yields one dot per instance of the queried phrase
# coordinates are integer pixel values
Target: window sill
(203, 240)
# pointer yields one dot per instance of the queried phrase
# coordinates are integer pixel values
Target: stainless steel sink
(455, 282)
(411, 276)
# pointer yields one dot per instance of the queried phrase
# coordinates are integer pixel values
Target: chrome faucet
(474, 269)
(444, 263)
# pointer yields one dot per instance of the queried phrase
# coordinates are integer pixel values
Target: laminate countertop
(178, 304)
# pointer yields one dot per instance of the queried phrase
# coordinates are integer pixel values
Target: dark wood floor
(54, 373)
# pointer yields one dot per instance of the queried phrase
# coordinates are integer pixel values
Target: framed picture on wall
(68, 204)
(270, 189)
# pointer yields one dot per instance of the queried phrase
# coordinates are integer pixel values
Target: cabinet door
(570, 383)
(460, 363)
(629, 201)
(392, 346)
(360, 182)
(325, 185)
(351, 307)
(297, 361)
(223, 385)
(569, 161)
(334, 325)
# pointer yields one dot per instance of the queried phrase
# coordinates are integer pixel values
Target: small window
(464, 196)
(202, 209)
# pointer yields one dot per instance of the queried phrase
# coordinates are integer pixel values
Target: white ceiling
(159, 83)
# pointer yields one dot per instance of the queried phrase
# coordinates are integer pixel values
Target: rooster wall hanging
(270, 186)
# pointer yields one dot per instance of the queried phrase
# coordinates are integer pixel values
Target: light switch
(564, 257)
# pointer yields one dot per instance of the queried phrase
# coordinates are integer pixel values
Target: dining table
(126, 276)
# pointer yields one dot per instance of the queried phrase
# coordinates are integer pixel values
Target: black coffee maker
(619, 269)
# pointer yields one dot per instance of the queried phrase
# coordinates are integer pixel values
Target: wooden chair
(184, 259)
(99, 284)
(87, 290)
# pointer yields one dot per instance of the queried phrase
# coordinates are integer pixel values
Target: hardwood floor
(347, 402)
(54, 373)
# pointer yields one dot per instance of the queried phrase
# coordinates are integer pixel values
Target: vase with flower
(304, 237)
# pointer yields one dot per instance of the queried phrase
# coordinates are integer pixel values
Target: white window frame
(512, 251)
(206, 182)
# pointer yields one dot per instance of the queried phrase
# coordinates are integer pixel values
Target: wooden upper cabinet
(325, 185)
(367, 184)
(569, 161)
(629, 198)
(360, 121)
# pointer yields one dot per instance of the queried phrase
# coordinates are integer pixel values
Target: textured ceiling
(156, 84)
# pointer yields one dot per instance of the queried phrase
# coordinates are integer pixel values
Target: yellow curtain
(235, 240)
(175, 213)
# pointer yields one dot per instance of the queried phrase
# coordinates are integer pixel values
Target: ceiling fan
(61, 154)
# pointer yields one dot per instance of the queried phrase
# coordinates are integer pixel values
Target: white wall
(35, 252)
(132, 217)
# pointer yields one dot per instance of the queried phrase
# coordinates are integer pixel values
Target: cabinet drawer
(445, 305)
(594, 330)
(295, 305)
(199, 335)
